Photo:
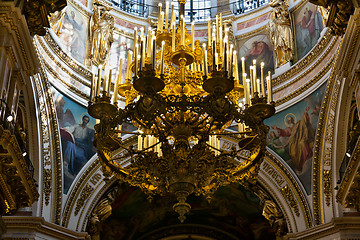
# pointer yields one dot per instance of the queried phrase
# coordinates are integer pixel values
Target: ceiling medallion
(182, 97)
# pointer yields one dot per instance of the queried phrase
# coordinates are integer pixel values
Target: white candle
(205, 59)
(105, 77)
(117, 82)
(217, 26)
(262, 79)
(136, 59)
(255, 78)
(128, 74)
(98, 82)
(182, 31)
(109, 83)
(231, 58)
(167, 16)
(173, 16)
(258, 86)
(269, 88)
(162, 56)
(209, 32)
(161, 22)
(159, 16)
(135, 36)
(243, 65)
(236, 69)
(248, 91)
(252, 83)
(173, 37)
(153, 53)
(92, 87)
(192, 36)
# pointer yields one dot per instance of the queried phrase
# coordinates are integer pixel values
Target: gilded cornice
(39, 225)
(56, 76)
(258, 31)
(293, 185)
(65, 58)
(307, 85)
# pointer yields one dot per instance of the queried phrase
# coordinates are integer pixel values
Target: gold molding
(65, 58)
(85, 193)
(289, 196)
(307, 85)
(9, 19)
(43, 92)
(327, 177)
(39, 225)
(323, 130)
(295, 187)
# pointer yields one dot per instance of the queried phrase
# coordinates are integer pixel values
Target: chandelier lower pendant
(182, 111)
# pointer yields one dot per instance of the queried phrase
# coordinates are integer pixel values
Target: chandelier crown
(181, 95)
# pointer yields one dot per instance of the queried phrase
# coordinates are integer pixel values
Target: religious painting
(76, 134)
(292, 135)
(120, 49)
(74, 33)
(233, 213)
(257, 48)
(308, 26)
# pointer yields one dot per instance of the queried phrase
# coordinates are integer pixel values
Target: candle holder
(102, 108)
(147, 82)
(165, 36)
(218, 83)
(260, 109)
(183, 52)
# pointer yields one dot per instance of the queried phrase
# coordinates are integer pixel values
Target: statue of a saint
(101, 33)
(280, 30)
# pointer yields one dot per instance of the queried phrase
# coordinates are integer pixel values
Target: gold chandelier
(182, 97)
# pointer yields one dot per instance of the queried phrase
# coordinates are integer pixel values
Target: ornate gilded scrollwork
(83, 196)
(288, 194)
(47, 185)
(327, 186)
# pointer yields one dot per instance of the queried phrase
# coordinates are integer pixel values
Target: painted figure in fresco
(301, 139)
(101, 33)
(74, 29)
(79, 148)
(261, 52)
(281, 32)
(65, 118)
(309, 25)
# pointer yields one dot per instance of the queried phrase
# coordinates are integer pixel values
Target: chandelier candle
(182, 95)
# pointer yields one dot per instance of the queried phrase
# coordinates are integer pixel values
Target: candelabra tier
(181, 97)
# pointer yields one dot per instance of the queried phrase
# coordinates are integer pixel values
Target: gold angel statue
(101, 32)
(280, 31)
